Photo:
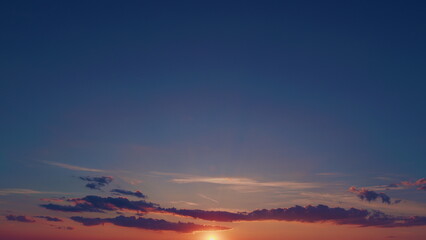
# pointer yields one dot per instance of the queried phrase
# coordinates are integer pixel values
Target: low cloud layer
(148, 223)
(50, 219)
(320, 213)
(19, 218)
(311, 214)
(369, 196)
(129, 193)
(101, 204)
(97, 182)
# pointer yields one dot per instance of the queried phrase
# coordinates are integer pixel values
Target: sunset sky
(212, 120)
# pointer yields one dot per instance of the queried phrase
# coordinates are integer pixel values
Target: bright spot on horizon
(212, 238)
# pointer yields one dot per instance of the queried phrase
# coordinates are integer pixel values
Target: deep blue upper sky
(266, 87)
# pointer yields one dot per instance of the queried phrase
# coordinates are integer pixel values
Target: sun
(212, 238)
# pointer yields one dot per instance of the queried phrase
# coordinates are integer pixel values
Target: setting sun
(212, 238)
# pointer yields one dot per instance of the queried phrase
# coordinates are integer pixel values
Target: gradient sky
(213, 105)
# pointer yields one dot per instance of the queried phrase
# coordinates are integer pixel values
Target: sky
(212, 120)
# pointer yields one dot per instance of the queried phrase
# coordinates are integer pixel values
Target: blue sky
(276, 91)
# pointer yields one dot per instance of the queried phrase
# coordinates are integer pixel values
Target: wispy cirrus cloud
(237, 181)
(9, 191)
(208, 198)
(72, 167)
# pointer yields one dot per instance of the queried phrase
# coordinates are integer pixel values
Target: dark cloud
(100, 204)
(80, 207)
(97, 182)
(50, 219)
(19, 218)
(311, 214)
(369, 196)
(62, 227)
(148, 223)
(129, 193)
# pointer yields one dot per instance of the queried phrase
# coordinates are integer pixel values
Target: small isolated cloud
(129, 193)
(19, 218)
(72, 167)
(148, 223)
(50, 219)
(97, 182)
(369, 196)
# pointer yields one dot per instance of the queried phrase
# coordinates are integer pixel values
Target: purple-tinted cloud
(129, 193)
(369, 196)
(19, 218)
(311, 214)
(80, 207)
(97, 182)
(320, 213)
(420, 183)
(101, 204)
(50, 219)
(148, 223)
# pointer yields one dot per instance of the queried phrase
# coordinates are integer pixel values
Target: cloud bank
(148, 223)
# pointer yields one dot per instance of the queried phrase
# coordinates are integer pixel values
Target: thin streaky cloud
(9, 191)
(184, 202)
(245, 182)
(72, 167)
(332, 174)
(208, 198)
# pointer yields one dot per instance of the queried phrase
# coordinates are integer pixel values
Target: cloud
(97, 182)
(101, 204)
(369, 196)
(19, 218)
(310, 214)
(62, 227)
(148, 223)
(245, 182)
(50, 219)
(129, 193)
(420, 183)
(208, 198)
(72, 167)
(76, 208)
(9, 191)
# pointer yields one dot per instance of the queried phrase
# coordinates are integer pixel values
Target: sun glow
(211, 238)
